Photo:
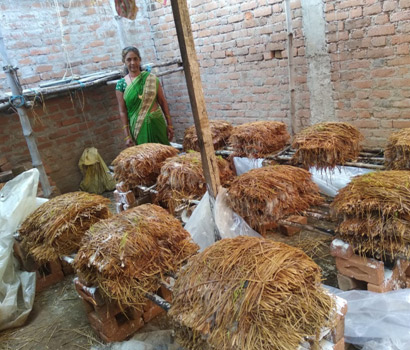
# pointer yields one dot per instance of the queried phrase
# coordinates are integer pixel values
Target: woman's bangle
(125, 126)
(170, 126)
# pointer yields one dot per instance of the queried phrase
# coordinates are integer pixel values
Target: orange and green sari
(140, 95)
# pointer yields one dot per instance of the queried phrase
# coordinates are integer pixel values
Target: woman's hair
(129, 49)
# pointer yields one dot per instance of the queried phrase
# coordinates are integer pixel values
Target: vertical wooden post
(16, 90)
(196, 94)
(290, 68)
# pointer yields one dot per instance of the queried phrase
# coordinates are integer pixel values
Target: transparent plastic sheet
(229, 223)
(201, 225)
(17, 288)
(243, 164)
(377, 321)
(331, 181)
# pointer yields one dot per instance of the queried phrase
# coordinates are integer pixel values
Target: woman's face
(132, 61)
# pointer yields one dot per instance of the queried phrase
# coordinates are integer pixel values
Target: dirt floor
(58, 319)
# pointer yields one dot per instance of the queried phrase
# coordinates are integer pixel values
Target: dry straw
(397, 152)
(265, 195)
(57, 226)
(220, 132)
(251, 294)
(374, 210)
(258, 139)
(326, 145)
(182, 178)
(140, 165)
(128, 254)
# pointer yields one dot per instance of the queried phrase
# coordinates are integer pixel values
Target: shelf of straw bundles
(135, 167)
(220, 132)
(127, 256)
(266, 195)
(182, 179)
(397, 153)
(326, 145)
(374, 213)
(258, 139)
(251, 293)
(55, 229)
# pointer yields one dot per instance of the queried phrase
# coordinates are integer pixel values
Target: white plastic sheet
(17, 288)
(377, 321)
(243, 164)
(331, 181)
(201, 224)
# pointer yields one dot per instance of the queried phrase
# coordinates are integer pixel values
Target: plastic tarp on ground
(331, 181)
(201, 224)
(377, 321)
(17, 288)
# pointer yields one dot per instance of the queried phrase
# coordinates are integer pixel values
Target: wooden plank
(196, 94)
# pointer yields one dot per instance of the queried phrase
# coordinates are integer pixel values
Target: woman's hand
(170, 132)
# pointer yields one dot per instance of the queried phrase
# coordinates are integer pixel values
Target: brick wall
(369, 46)
(241, 47)
(236, 42)
(64, 127)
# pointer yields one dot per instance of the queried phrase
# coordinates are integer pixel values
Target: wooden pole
(16, 90)
(196, 94)
(290, 68)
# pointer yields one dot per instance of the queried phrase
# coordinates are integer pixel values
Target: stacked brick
(47, 274)
(126, 198)
(109, 320)
(357, 272)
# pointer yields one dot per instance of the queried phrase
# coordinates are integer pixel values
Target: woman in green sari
(142, 104)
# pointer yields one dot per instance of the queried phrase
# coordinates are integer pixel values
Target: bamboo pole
(291, 68)
(16, 90)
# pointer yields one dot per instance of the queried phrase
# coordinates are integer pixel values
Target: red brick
(48, 274)
(341, 249)
(152, 310)
(382, 30)
(290, 230)
(347, 283)
(363, 269)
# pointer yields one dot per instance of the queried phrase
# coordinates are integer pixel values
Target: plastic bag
(17, 288)
(377, 321)
(331, 181)
(229, 223)
(201, 224)
(243, 164)
(97, 178)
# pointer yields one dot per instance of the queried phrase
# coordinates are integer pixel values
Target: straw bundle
(220, 132)
(56, 227)
(128, 254)
(375, 212)
(182, 179)
(397, 152)
(326, 145)
(140, 165)
(265, 195)
(258, 139)
(249, 293)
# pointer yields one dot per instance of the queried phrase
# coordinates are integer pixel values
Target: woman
(140, 96)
